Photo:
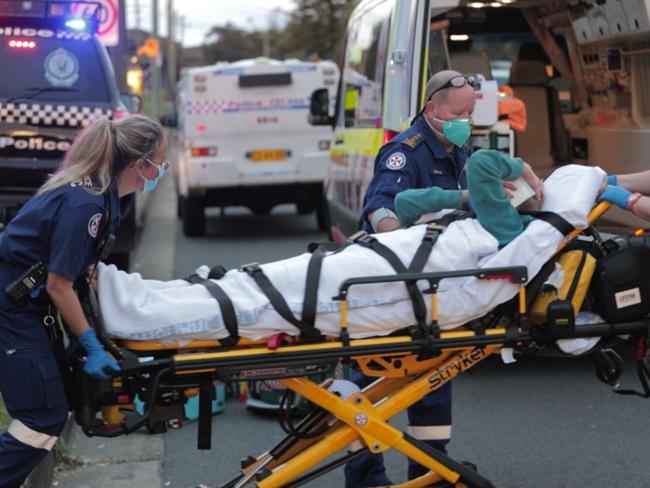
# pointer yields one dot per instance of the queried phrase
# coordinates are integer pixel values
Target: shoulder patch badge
(396, 161)
(93, 225)
(412, 141)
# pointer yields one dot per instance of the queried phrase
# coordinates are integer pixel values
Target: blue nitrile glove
(97, 359)
(615, 194)
(612, 180)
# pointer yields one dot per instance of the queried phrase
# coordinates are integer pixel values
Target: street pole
(155, 79)
(171, 49)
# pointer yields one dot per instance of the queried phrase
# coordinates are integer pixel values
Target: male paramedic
(432, 152)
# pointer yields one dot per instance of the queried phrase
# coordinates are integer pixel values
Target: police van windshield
(58, 70)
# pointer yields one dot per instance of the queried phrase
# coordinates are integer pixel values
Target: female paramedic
(54, 240)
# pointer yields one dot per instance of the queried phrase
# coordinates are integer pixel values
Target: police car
(57, 77)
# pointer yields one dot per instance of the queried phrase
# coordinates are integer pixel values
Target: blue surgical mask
(456, 131)
(150, 185)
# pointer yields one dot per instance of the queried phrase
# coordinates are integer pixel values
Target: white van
(245, 137)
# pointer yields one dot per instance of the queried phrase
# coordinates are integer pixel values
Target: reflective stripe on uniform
(24, 434)
(430, 432)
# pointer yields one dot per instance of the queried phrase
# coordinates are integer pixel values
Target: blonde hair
(105, 148)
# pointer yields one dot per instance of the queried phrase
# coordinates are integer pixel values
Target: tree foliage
(315, 29)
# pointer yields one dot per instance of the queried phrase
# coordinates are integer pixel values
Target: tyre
(180, 205)
(193, 217)
(323, 216)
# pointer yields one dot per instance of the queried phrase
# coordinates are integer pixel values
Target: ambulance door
(359, 130)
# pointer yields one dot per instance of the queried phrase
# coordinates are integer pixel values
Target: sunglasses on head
(459, 82)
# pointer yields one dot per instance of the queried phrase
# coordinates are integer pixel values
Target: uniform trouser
(34, 394)
(429, 421)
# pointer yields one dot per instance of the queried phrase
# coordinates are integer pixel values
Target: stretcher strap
(307, 331)
(311, 286)
(562, 225)
(419, 308)
(206, 393)
(227, 310)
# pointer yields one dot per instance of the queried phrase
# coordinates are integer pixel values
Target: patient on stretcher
(138, 309)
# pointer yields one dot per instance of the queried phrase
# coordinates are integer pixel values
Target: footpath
(134, 460)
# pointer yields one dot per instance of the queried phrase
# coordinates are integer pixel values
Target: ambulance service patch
(93, 225)
(396, 161)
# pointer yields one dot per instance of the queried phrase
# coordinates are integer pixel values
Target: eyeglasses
(164, 164)
(458, 82)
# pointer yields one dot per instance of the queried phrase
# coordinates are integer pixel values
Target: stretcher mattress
(139, 309)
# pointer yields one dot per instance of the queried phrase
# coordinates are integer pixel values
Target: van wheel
(180, 205)
(193, 217)
(323, 216)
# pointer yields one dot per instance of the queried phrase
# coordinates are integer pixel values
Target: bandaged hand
(98, 361)
(617, 195)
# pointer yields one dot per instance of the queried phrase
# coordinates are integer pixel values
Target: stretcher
(407, 366)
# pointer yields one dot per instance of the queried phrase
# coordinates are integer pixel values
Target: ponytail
(105, 148)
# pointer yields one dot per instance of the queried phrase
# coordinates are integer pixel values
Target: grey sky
(200, 15)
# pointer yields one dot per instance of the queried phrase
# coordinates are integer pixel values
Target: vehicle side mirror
(169, 120)
(319, 108)
(132, 102)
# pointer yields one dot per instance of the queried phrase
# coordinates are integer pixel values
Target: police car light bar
(71, 15)
(20, 44)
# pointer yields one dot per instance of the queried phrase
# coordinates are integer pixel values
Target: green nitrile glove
(410, 205)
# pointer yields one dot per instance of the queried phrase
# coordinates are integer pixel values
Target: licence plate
(267, 155)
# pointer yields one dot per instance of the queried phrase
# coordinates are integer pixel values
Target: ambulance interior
(582, 68)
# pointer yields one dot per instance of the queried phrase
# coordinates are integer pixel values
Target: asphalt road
(539, 423)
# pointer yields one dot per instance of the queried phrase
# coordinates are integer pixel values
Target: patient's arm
(410, 205)
(485, 174)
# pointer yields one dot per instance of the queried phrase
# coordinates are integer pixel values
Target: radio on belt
(27, 282)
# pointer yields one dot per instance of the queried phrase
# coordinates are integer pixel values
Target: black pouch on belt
(622, 285)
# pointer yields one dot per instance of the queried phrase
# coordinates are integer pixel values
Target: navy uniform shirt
(414, 158)
(59, 228)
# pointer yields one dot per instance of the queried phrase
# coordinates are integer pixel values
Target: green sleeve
(486, 171)
(410, 205)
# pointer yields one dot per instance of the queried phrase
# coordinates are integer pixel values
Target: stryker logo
(458, 365)
(33, 144)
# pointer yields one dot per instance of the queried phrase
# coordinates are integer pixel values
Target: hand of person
(533, 180)
(615, 194)
(98, 361)
(509, 188)
(612, 180)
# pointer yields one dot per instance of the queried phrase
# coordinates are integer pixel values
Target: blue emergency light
(76, 24)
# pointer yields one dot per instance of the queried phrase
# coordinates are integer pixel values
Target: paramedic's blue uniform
(59, 228)
(415, 158)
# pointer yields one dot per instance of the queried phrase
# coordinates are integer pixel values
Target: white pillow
(571, 192)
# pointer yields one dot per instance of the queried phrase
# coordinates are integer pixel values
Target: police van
(56, 78)
(245, 139)
(582, 68)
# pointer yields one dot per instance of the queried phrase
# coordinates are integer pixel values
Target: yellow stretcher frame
(407, 370)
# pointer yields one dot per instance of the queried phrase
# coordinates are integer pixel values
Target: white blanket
(138, 309)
